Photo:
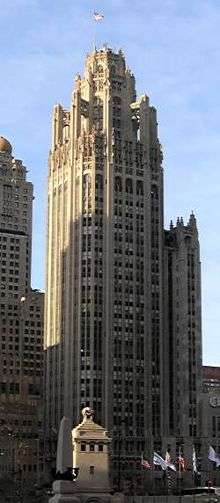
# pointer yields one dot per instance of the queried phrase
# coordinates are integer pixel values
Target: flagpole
(97, 17)
(194, 466)
(142, 470)
(94, 33)
(153, 473)
(179, 472)
(193, 463)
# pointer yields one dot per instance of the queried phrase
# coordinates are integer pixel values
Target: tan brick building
(21, 324)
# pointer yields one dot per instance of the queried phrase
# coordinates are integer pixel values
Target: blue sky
(173, 48)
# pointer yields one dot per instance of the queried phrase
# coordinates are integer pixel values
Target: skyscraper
(104, 260)
(105, 316)
(21, 308)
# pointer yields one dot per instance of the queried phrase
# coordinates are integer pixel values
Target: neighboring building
(211, 418)
(211, 380)
(16, 196)
(183, 344)
(109, 340)
(211, 404)
(21, 317)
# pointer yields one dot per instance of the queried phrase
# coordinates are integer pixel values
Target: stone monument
(85, 456)
(64, 464)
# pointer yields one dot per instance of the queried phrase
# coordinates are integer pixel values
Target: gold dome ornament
(5, 145)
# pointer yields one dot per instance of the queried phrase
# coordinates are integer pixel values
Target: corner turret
(192, 221)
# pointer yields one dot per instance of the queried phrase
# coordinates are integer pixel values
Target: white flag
(213, 456)
(169, 462)
(158, 460)
(97, 16)
(194, 460)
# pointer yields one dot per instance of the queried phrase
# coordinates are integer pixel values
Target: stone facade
(109, 342)
(105, 197)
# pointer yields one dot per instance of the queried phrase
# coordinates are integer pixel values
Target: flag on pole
(97, 16)
(194, 460)
(167, 457)
(169, 462)
(159, 461)
(182, 463)
(213, 456)
(145, 464)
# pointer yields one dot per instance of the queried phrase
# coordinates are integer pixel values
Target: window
(31, 389)
(91, 470)
(3, 387)
(83, 447)
(92, 447)
(14, 388)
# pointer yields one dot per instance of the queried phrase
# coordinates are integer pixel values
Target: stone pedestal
(68, 492)
(64, 492)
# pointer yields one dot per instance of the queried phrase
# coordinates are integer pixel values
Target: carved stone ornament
(87, 413)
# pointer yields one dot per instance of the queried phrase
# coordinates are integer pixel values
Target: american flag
(182, 463)
(159, 461)
(97, 16)
(145, 464)
(169, 462)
